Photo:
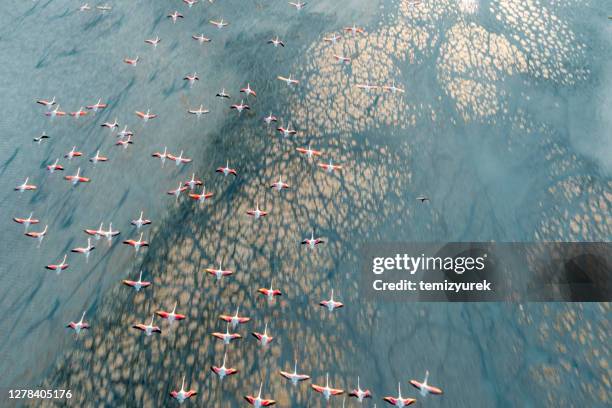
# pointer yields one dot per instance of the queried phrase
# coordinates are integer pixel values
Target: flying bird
(38, 235)
(248, 91)
(312, 242)
(47, 102)
(97, 106)
(137, 285)
(226, 337)
(288, 131)
(330, 167)
(146, 116)
(259, 402)
(310, 153)
(392, 88)
(333, 39)
(59, 266)
(162, 155)
(298, 5)
(79, 113)
(124, 142)
(191, 78)
(178, 160)
(84, 250)
(201, 197)
(111, 125)
(399, 402)
(140, 222)
(182, 394)
(279, 185)
(263, 338)
(222, 94)
(25, 186)
(276, 42)
(354, 30)
(257, 212)
(294, 377)
(77, 178)
(269, 119)
(424, 387)
(171, 316)
(201, 38)
(55, 166)
(26, 222)
(235, 319)
(327, 391)
(223, 371)
(359, 393)
(40, 138)
(270, 293)
(219, 272)
(125, 132)
(55, 112)
(73, 153)
(148, 329)
(137, 244)
(288, 80)
(175, 15)
(226, 170)
(331, 304)
(193, 182)
(342, 59)
(132, 61)
(240, 106)
(78, 326)
(198, 112)
(153, 41)
(219, 23)
(98, 158)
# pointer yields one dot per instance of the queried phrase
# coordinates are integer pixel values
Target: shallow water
(497, 126)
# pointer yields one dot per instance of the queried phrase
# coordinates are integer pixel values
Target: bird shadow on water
(9, 160)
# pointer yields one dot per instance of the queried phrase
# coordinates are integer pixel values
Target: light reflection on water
(468, 133)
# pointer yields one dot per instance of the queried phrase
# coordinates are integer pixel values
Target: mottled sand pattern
(472, 63)
(260, 252)
(482, 355)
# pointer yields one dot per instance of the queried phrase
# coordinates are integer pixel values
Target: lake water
(504, 124)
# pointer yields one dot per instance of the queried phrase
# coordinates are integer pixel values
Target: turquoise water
(510, 142)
